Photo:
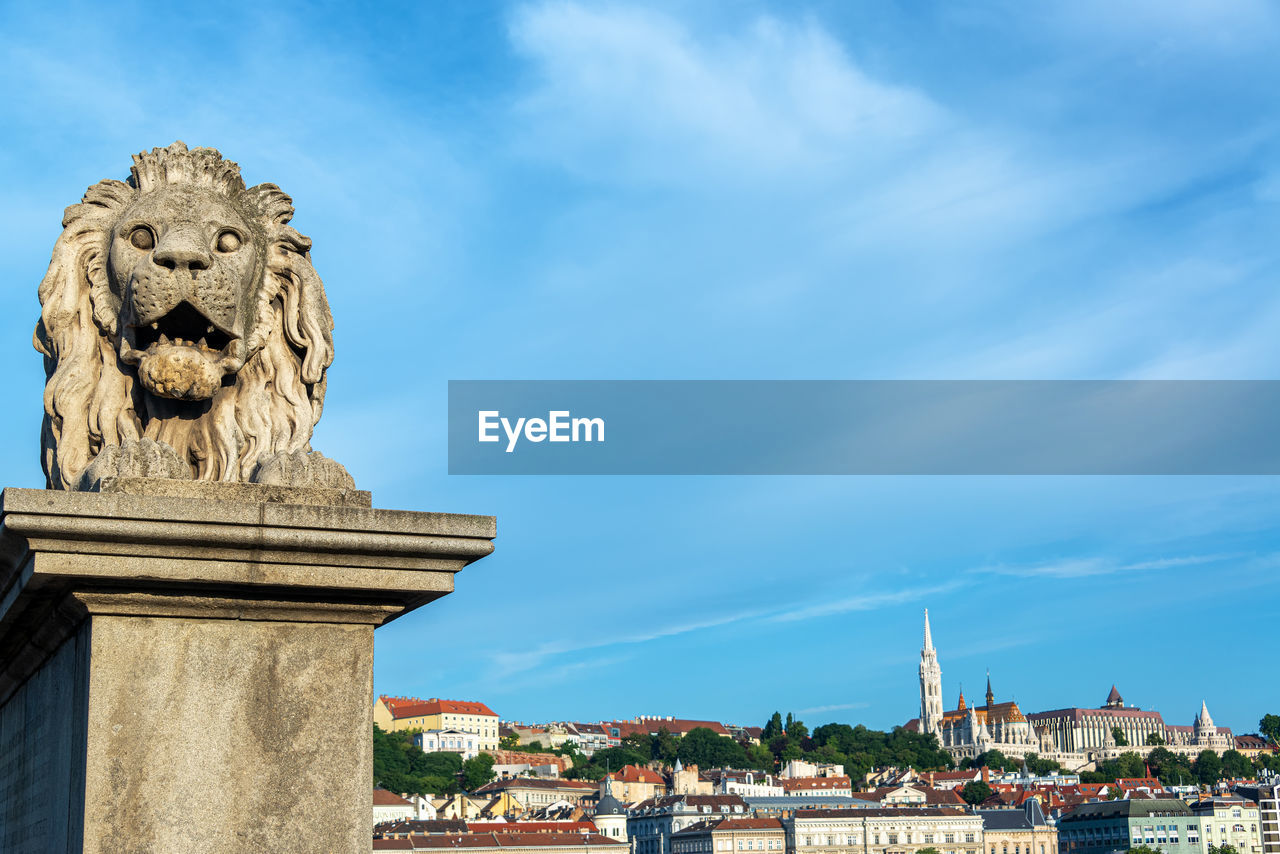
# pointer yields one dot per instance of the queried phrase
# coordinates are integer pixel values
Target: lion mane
(93, 398)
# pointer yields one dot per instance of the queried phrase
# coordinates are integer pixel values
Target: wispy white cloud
(834, 707)
(868, 601)
(630, 94)
(1084, 567)
(507, 662)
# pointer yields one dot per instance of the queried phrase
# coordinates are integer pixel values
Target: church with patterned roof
(1075, 737)
(969, 730)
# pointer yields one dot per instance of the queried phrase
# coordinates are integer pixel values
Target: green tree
(1208, 767)
(760, 757)
(702, 747)
(975, 792)
(1222, 849)
(477, 771)
(772, 729)
(928, 850)
(1235, 765)
(1142, 849)
(1040, 767)
(993, 759)
(663, 746)
(1118, 734)
(613, 758)
(1127, 764)
(1270, 727)
(638, 742)
(401, 766)
(1154, 739)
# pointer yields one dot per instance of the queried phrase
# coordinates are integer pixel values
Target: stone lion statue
(184, 332)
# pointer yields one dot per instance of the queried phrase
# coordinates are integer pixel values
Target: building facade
(465, 744)
(652, 823)
(884, 831)
(722, 835)
(1230, 821)
(536, 792)
(1267, 797)
(633, 784)
(403, 713)
(1107, 826)
(1018, 831)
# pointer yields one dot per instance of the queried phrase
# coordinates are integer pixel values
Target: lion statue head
(184, 331)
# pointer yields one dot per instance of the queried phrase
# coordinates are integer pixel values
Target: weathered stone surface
(253, 493)
(185, 332)
(211, 735)
(209, 658)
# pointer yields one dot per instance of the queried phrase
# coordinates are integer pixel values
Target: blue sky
(823, 190)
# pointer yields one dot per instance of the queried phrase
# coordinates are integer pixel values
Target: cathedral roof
(995, 713)
(1114, 696)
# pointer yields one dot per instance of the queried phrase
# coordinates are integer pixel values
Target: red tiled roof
(512, 840)
(932, 797)
(716, 802)
(531, 827)
(935, 776)
(748, 824)
(1139, 782)
(383, 798)
(886, 812)
(636, 774)
(730, 824)
(811, 784)
(412, 707)
(534, 783)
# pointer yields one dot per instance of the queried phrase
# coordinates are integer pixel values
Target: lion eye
(142, 238)
(228, 241)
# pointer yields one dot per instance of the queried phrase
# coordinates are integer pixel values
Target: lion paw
(302, 468)
(135, 458)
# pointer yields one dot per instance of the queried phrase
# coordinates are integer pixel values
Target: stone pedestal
(188, 667)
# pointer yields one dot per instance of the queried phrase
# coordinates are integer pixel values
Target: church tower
(930, 684)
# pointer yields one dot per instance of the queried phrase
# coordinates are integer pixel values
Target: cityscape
(981, 777)
(640, 427)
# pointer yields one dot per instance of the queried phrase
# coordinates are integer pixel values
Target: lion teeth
(155, 325)
(203, 342)
(164, 339)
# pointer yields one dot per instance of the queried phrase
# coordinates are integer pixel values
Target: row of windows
(1018, 848)
(893, 838)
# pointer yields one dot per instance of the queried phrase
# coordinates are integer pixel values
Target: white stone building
(465, 744)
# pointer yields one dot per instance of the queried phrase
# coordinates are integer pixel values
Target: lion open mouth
(183, 326)
(183, 355)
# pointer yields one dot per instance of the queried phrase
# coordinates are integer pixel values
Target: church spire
(930, 684)
(991, 698)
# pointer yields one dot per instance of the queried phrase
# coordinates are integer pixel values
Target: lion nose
(180, 250)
